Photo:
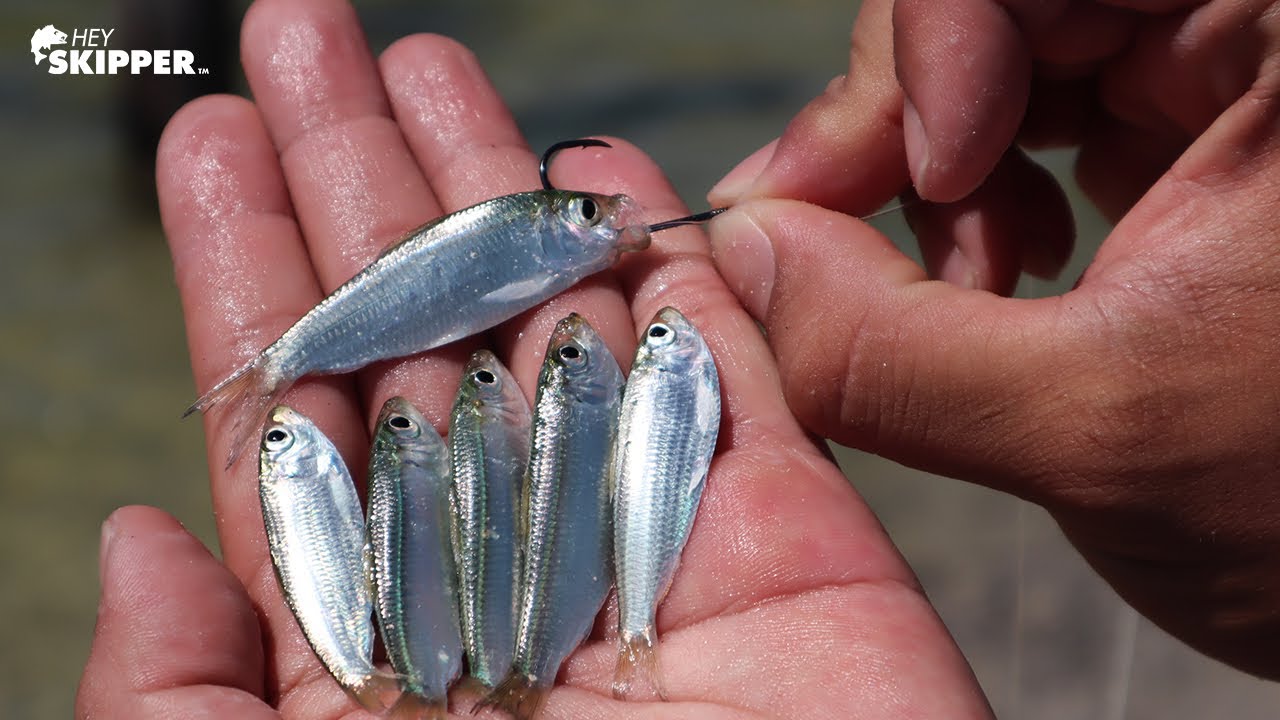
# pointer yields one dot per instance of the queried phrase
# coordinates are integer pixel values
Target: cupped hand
(1141, 408)
(790, 601)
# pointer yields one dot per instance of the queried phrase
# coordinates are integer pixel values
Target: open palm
(790, 600)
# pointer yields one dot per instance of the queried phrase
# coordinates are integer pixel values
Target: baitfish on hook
(451, 278)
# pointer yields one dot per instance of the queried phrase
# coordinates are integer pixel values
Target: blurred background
(93, 364)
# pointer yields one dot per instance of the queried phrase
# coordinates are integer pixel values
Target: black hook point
(564, 145)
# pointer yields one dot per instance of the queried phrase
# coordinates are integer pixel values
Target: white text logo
(89, 55)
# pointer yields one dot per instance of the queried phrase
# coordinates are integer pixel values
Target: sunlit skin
(790, 600)
(1141, 407)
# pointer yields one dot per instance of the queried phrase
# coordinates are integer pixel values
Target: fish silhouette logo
(45, 38)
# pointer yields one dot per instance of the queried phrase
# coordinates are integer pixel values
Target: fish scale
(449, 279)
(666, 443)
(413, 576)
(489, 447)
(567, 567)
(670, 418)
(316, 536)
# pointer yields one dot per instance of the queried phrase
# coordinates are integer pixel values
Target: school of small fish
(492, 550)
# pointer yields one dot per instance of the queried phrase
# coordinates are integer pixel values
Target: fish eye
(573, 355)
(400, 422)
(278, 439)
(660, 334)
(584, 211)
(484, 377)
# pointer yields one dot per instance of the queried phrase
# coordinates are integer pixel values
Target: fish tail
(472, 685)
(516, 695)
(412, 706)
(373, 688)
(637, 660)
(40, 56)
(249, 395)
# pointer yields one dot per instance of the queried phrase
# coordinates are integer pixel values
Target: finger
(471, 150)
(1225, 176)
(1184, 69)
(176, 633)
(1018, 218)
(1083, 35)
(952, 381)
(1059, 112)
(460, 131)
(676, 270)
(727, 191)
(354, 182)
(244, 277)
(965, 68)
(820, 533)
(844, 149)
(352, 179)
(778, 526)
(1118, 163)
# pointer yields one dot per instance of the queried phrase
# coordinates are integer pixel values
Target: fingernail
(917, 146)
(105, 545)
(732, 186)
(744, 255)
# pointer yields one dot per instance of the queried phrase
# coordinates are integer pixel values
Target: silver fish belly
(666, 437)
(567, 570)
(413, 572)
(451, 278)
(489, 449)
(316, 534)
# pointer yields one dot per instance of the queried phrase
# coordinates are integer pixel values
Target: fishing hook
(592, 142)
(564, 145)
(687, 220)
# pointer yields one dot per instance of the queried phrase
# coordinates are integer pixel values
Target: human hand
(1141, 407)
(790, 600)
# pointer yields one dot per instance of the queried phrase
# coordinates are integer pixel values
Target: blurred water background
(94, 374)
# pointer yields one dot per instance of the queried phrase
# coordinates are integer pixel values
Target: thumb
(845, 149)
(176, 635)
(875, 356)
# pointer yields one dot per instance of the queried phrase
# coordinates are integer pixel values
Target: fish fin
(516, 695)
(412, 706)
(249, 396)
(471, 685)
(516, 291)
(371, 691)
(637, 660)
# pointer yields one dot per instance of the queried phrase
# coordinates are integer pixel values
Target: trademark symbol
(202, 71)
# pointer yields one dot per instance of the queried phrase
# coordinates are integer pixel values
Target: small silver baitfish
(489, 448)
(315, 530)
(451, 278)
(666, 436)
(566, 557)
(414, 581)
